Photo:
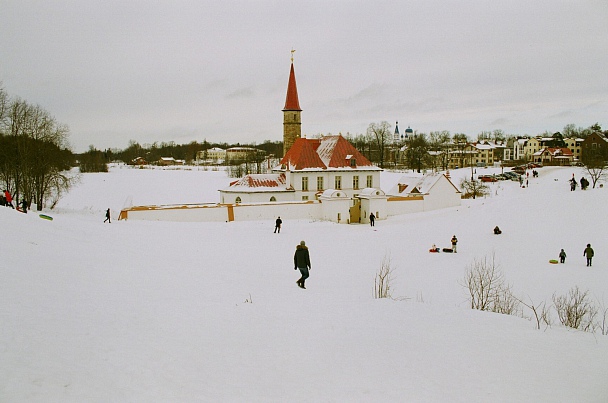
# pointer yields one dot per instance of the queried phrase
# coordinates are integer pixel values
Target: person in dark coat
(108, 216)
(454, 241)
(277, 225)
(562, 256)
(372, 219)
(24, 206)
(589, 253)
(301, 260)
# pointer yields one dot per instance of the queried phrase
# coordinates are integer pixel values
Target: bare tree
(381, 135)
(34, 155)
(438, 144)
(473, 188)
(417, 152)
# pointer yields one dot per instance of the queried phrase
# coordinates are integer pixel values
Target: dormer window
(353, 162)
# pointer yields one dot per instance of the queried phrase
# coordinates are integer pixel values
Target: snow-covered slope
(185, 312)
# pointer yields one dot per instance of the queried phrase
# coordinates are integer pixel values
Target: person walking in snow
(9, 199)
(454, 241)
(301, 260)
(589, 254)
(562, 256)
(372, 219)
(573, 184)
(107, 217)
(24, 206)
(277, 225)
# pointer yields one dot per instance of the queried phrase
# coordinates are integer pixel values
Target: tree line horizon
(35, 155)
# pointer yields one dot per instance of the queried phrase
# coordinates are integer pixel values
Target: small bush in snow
(488, 289)
(603, 325)
(542, 313)
(576, 310)
(382, 282)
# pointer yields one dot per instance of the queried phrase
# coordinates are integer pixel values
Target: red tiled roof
(327, 152)
(260, 180)
(303, 154)
(554, 151)
(338, 149)
(291, 101)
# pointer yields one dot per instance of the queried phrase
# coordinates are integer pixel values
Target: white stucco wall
(198, 213)
(404, 205)
(270, 211)
(329, 181)
(441, 195)
(259, 197)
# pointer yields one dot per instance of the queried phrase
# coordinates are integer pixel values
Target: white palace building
(322, 179)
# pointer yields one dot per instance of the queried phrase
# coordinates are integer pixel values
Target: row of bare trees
(35, 158)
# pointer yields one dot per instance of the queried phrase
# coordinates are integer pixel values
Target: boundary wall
(334, 210)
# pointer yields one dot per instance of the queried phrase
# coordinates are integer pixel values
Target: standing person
(108, 216)
(277, 225)
(562, 256)
(24, 206)
(301, 260)
(9, 199)
(372, 219)
(454, 241)
(589, 253)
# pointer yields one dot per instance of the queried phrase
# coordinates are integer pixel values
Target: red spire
(291, 101)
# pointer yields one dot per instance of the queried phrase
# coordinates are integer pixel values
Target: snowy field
(138, 311)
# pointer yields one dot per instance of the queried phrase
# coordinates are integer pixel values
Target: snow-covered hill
(210, 312)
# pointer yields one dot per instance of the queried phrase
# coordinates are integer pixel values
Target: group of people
(573, 183)
(588, 253)
(453, 241)
(6, 199)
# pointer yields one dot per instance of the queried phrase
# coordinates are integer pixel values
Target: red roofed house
(554, 156)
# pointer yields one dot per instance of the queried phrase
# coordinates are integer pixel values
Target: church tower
(292, 124)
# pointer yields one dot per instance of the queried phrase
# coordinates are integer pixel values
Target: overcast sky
(115, 71)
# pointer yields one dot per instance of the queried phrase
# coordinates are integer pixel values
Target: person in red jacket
(9, 198)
